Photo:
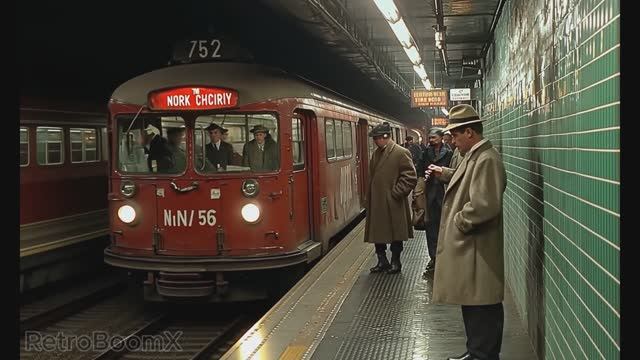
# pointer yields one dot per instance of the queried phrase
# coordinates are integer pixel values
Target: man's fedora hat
(259, 129)
(461, 115)
(381, 130)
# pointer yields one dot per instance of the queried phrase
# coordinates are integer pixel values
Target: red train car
(63, 175)
(229, 227)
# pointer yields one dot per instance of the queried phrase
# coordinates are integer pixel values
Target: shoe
(382, 265)
(431, 265)
(465, 356)
(396, 266)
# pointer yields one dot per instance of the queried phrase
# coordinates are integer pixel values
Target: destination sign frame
(429, 98)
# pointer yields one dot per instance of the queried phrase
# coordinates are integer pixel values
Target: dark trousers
(395, 246)
(483, 325)
(433, 227)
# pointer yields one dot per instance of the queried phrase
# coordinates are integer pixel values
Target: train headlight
(250, 213)
(126, 214)
(250, 188)
(128, 189)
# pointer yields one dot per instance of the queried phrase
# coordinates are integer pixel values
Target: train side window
(346, 136)
(330, 139)
(49, 145)
(104, 142)
(24, 146)
(339, 144)
(297, 143)
(84, 145)
(397, 139)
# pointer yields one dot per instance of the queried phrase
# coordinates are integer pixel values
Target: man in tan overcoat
(392, 176)
(470, 267)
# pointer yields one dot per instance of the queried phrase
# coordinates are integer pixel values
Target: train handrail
(194, 185)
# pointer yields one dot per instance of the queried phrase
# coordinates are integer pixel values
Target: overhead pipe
(441, 29)
(492, 29)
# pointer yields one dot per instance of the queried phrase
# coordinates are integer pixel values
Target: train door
(362, 159)
(301, 180)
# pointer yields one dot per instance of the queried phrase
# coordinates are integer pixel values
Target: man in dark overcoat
(392, 176)
(437, 153)
(219, 153)
(470, 266)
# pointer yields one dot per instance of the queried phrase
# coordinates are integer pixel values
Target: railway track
(175, 338)
(40, 313)
(111, 322)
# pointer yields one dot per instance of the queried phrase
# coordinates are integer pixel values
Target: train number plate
(187, 218)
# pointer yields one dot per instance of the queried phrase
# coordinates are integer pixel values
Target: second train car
(214, 222)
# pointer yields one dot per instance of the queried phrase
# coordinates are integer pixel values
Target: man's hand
(433, 169)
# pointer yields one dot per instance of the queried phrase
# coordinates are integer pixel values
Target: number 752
(204, 47)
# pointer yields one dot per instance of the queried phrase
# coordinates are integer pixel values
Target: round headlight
(126, 214)
(128, 189)
(250, 213)
(250, 188)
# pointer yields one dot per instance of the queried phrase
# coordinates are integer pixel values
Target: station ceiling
(76, 51)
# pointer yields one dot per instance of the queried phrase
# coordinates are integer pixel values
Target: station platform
(60, 249)
(341, 311)
(44, 236)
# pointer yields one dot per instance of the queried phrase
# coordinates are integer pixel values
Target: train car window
(330, 138)
(24, 146)
(297, 143)
(49, 145)
(151, 144)
(339, 142)
(372, 145)
(347, 138)
(84, 145)
(104, 141)
(398, 136)
(252, 143)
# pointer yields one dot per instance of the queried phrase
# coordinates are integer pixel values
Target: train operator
(156, 149)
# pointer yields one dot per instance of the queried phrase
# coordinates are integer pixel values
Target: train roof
(254, 83)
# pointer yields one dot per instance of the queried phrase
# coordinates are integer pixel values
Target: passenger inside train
(218, 152)
(261, 153)
(175, 140)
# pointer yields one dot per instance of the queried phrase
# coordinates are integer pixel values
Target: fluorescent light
(390, 12)
(422, 73)
(388, 9)
(445, 111)
(413, 55)
(402, 33)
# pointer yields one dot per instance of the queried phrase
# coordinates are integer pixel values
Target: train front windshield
(152, 144)
(236, 143)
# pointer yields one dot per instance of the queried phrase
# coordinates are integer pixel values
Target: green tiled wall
(552, 104)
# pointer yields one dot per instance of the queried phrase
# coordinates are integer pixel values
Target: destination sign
(193, 98)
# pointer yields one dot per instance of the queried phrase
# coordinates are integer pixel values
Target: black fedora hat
(383, 129)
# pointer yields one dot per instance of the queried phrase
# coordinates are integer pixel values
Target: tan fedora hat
(462, 114)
